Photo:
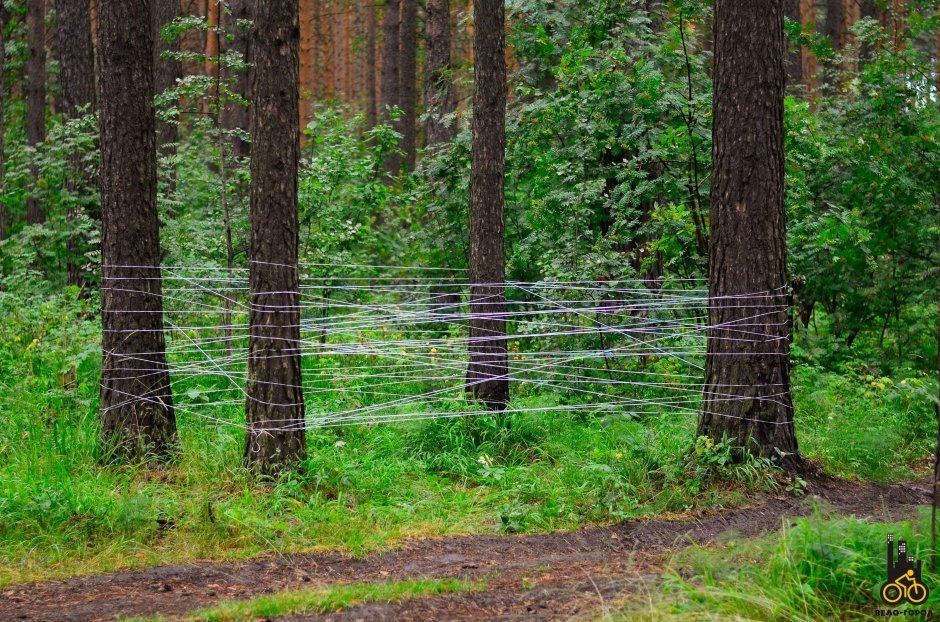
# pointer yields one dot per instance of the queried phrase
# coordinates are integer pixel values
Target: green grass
(365, 488)
(327, 599)
(819, 569)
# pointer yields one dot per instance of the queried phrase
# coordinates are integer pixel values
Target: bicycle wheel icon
(892, 593)
(916, 593)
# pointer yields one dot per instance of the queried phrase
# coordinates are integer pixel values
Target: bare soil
(549, 576)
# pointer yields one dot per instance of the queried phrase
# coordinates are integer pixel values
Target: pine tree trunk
(794, 57)
(77, 87)
(235, 116)
(438, 92)
(747, 377)
(408, 54)
(308, 44)
(487, 373)
(165, 71)
(371, 98)
(391, 80)
(36, 97)
(137, 414)
(275, 405)
(808, 22)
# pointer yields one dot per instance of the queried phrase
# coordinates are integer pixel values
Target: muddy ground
(552, 576)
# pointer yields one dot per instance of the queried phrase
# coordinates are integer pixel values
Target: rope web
(391, 345)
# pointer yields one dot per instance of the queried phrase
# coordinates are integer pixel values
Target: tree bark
(408, 54)
(371, 99)
(747, 370)
(275, 405)
(137, 416)
(487, 373)
(808, 22)
(235, 116)
(438, 91)
(834, 23)
(391, 79)
(166, 71)
(35, 97)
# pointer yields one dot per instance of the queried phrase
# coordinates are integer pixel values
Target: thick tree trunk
(235, 116)
(166, 71)
(77, 89)
(747, 370)
(371, 99)
(35, 97)
(438, 92)
(794, 57)
(275, 406)
(391, 79)
(137, 414)
(487, 374)
(408, 54)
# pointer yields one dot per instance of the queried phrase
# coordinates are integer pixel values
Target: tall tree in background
(3, 93)
(235, 116)
(391, 75)
(747, 383)
(487, 373)
(371, 95)
(794, 59)
(77, 86)
(408, 55)
(137, 414)
(166, 71)
(275, 405)
(36, 95)
(438, 92)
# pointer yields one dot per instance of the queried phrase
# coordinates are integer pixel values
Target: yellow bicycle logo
(914, 592)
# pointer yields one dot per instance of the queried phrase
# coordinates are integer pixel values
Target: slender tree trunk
(794, 57)
(137, 414)
(77, 86)
(371, 99)
(487, 374)
(166, 71)
(835, 23)
(438, 90)
(408, 54)
(391, 80)
(275, 406)
(808, 21)
(3, 93)
(35, 98)
(308, 44)
(747, 370)
(235, 116)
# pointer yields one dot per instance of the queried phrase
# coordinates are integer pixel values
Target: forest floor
(580, 574)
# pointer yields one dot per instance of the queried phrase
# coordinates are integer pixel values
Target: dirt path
(533, 577)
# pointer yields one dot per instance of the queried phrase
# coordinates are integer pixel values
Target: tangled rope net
(391, 345)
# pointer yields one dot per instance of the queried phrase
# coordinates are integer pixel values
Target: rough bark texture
(794, 57)
(77, 89)
(487, 374)
(165, 71)
(235, 116)
(408, 55)
(275, 405)
(136, 402)
(35, 96)
(438, 92)
(371, 99)
(391, 80)
(747, 372)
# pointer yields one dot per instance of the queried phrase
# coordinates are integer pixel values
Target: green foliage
(817, 569)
